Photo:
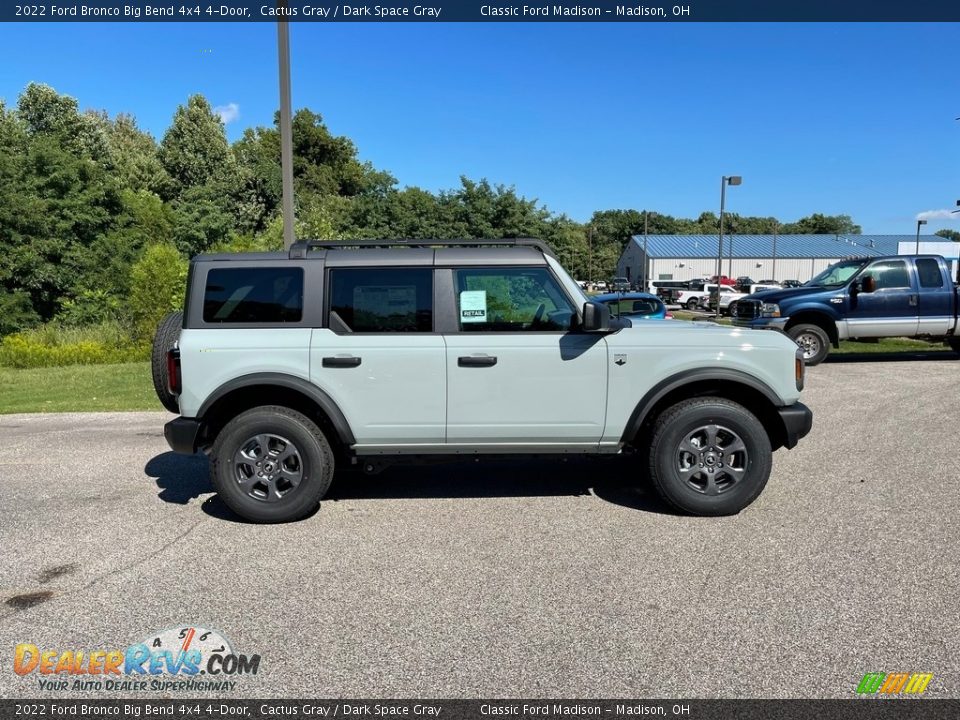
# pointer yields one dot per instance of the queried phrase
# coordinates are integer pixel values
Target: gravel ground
(509, 579)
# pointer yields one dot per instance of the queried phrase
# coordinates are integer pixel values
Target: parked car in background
(791, 283)
(697, 299)
(633, 305)
(620, 284)
(744, 282)
(724, 280)
(728, 300)
(895, 296)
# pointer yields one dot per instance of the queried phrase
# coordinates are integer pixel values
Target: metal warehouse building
(762, 257)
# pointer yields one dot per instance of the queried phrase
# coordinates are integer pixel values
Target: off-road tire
(797, 332)
(693, 304)
(314, 451)
(168, 332)
(675, 424)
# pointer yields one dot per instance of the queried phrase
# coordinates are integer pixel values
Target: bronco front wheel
(709, 456)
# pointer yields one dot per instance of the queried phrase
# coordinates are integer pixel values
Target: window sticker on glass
(473, 306)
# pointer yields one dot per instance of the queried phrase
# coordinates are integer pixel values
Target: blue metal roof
(788, 246)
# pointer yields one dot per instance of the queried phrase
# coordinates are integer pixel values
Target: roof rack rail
(301, 248)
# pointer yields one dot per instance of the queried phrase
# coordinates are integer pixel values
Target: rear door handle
(913, 300)
(341, 362)
(477, 361)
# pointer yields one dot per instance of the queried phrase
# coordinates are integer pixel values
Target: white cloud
(937, 215)
(228, 113)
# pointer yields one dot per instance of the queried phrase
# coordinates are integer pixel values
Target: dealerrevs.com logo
(894, 683)
(189, 658)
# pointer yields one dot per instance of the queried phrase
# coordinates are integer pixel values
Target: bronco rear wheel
(271, 464)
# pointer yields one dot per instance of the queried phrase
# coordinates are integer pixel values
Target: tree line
(93, 208)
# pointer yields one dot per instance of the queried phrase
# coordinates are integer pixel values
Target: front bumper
(797, 422)
(181, 434)
(762, 323)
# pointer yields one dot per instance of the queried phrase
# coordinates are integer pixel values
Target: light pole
(646, 261)
(919, 223)
(590, 257)
(286, 131)
(724, 181)
(776, 230)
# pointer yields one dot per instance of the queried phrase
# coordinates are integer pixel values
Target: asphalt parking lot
(510, 579)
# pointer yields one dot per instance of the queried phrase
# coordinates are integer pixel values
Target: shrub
(158, 284)
(52, 344)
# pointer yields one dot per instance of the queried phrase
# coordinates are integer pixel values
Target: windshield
(837, 274)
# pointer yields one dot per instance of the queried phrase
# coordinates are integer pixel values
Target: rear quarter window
(253, 295)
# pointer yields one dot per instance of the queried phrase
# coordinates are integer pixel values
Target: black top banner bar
(479, 11)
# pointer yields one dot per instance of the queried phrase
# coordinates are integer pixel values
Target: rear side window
(929, 272)
(253, 295)
(382, 300)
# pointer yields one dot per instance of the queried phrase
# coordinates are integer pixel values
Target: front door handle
(341, 362)
(477, 361)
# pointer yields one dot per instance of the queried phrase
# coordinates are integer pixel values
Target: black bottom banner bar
(919, 708)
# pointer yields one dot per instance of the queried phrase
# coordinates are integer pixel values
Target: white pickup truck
(728, 300)
(698, 299)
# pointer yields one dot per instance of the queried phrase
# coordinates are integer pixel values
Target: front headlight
(771, 310)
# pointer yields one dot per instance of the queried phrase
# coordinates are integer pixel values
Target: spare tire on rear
(168, 332)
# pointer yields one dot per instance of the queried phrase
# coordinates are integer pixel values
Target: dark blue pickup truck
(897, 296)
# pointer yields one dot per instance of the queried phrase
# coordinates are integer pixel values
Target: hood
(778, 296)
(680, 333)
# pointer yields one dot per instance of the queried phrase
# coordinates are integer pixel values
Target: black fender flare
(291, 382)
(686, 377)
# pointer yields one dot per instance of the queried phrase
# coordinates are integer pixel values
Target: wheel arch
(816, 317)
(755, 395)
(248, 391)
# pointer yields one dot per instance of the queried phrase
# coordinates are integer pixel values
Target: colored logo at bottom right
(901, 683)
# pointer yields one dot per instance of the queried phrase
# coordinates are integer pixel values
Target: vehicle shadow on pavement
(907, 356)
(610, 479)
(183, 478)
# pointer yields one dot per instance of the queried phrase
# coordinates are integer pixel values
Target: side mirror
(868, 284)
(596, 317)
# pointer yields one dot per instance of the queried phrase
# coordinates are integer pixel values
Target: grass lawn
(78, 388)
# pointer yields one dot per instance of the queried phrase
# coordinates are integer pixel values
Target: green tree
(949, 234)
(194, 150)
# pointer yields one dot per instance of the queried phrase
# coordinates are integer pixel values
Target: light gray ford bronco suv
(284, 366)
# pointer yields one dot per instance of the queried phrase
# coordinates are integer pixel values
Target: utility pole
(286, 131)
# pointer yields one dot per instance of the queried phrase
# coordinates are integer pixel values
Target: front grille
(747, 310)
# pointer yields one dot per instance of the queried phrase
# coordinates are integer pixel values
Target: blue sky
(834, 118)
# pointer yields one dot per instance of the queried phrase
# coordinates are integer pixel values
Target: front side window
(381, 300)
(889, 274)
(253, 295)
(511, 299)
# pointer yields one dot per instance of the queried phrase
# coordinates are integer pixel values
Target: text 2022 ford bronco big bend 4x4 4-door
(285, 364)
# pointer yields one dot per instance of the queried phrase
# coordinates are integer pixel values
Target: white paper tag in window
(473, 306)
